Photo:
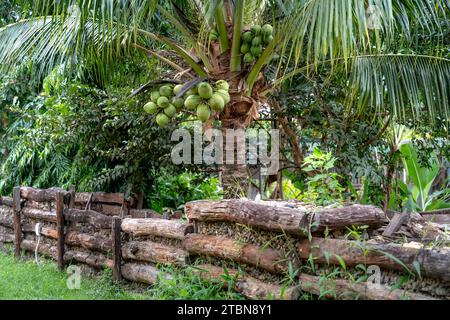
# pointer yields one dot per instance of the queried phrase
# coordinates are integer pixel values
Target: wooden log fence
(433, 263)
(296, 221)
(132, 256)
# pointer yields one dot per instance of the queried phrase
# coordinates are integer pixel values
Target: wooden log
(108, 209)
(83, 197)
(45, 249)
(6, 201)
(94, 218)
(437, 216)
(157, 227)
(248, 286)
(228, 248)
(51, 233)
(117, 248)
(7, 238)
(145, 213)
(295, 221)
(425, 230)
(40, 195)
(154, 252)
(142, 273)
(343, 290)
(39, 214)
(434, 263)
(88, 258)
(6, 221)
(17, 222)
(60, 228)
(88, 241)
(395, 224)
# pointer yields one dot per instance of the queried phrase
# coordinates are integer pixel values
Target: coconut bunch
(206, 99)
(255, 41)
(164, 103)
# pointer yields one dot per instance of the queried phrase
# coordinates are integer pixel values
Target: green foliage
(171, 192)
(25, 280)
(323, 188)
(186, 284)
(422, 178)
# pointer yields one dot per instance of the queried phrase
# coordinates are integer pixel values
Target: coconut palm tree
(363, 38)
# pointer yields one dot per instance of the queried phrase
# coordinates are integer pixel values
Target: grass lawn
(25, 280)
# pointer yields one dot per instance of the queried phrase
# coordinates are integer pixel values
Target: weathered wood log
(157, 227)
(88, 258)
(295, 221)
(394, 225)
(39, 214)
(437, 216)
(40, 195)
(45, 231)
(154, 252)
(94, 218)
(60, 228)
(145, 213)
(6, 238)
(343, 290)
(142, 273)
(248, 286)
(424, 229)
(228, 248)
(45, 249)
(6, 201)
(83, 197)
(6, 221)
(434, 263)
(117, 248)
(88, 241)
(17, 222)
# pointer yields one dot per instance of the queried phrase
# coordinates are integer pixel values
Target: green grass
(25, 280)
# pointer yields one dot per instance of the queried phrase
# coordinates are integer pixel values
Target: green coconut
(177, 89)
(170, 111)
(162, 120)
(154, 96)
(256, 41)
(222, 84)
(166, 91)
(163, 102)
(249, 58)
(192, 102)
(192, 91)
(216, 102)
(245, 47)
(247, 36)
(204, 90)
(266, 30)
(224, 94)
(151, 107)
(213, 35)
(256, 51)
(203, 112)
(267, 39)
(178, 102)
(255, 30)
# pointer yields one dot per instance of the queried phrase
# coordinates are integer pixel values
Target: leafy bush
(323, 188)
(171, 192)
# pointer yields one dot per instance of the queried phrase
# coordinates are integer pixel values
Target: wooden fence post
(116, 247)
(17, 224)
(60, 228)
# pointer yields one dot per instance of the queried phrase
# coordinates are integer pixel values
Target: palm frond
(420, 84)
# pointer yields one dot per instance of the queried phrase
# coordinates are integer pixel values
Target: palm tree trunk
(234, 173)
